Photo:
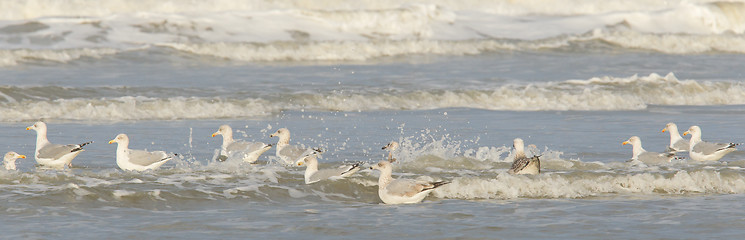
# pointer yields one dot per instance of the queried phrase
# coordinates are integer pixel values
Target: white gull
(246, 151)
(53, 155)
(312, 174)
(706, 151)
(638, 153)
(401, 191)
(677, 143)
(137, 160)
(290, 154)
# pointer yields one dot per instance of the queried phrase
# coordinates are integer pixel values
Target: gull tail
(355, 167)
(730, 145)
(79, 147)
(436, 185)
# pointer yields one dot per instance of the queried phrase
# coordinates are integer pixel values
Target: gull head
(281, 133)
(381, 166)
(694, 131)
(307, 160)
(121, 138)
(38, 126)
(223, 130)
(670, 127)
(12, 156)
(632, 140)
(518, 144)
(393, 145)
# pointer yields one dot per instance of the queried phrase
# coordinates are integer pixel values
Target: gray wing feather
(333, 172)
(653, 157)
(294, 151)
(681, 145)
(406, 187)
(709, 148)
(56, 151)
(240, 146)
(145, 158)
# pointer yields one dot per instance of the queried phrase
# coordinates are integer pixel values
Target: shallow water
(452, 89)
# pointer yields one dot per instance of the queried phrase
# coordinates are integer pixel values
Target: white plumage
(231, 148)
(53, 155)
(137, 160)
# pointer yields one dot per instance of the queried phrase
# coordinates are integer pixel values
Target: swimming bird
(523, 164)
(392, 146)
(700, 150)
(312, 174)
(53, 155)
(246, 151)
(677, 143)
(290, 154)
(137, 160)
(9, 161)
(401, 191)
(638, 153)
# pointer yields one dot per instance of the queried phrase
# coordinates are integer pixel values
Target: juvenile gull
(290, 154)
(137, 160)
(53, 155)
(312, 174)
(246, 151)
(398, 191)
(523, 164)
(706, 151)
(9, 161)
(638, 153)
(677, 143)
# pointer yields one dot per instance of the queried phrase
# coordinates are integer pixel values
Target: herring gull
(137, 160)
(53, 155)
(401, 191)
(638, 153)
(677, 143)
(706, 151)
(312, 174)
(246, 151)
(290, 154)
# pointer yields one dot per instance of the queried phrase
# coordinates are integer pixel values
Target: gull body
(290, 154)
(401, 191)
(638, 153)
(246, 151)
(523, 164)
(677, 143)
(706, 151)
(53, 155)
(137, 160)
(312, 174)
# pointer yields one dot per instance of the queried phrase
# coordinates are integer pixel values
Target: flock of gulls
(390, 190)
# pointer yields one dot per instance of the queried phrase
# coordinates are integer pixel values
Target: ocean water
(453, 82)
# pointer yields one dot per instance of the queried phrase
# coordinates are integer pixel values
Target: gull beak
(300, 163)
(214, 134)
(625, 142)
(664, 130)
(28, 128)
(272, 135)
(686, 133)
(22, 156)
(112, 141)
